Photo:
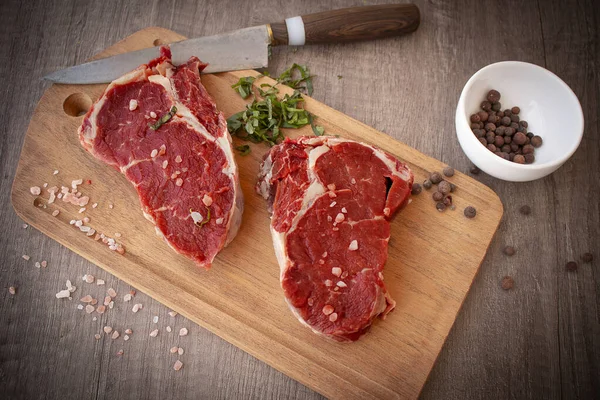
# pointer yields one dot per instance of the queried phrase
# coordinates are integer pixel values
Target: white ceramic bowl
(547, 104)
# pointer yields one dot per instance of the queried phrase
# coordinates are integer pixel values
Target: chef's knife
(249, 48)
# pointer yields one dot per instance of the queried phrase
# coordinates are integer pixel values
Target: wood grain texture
(239, 299)
(502, 345)
(354, 24)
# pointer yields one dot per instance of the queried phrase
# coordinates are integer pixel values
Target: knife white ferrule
(295, 30)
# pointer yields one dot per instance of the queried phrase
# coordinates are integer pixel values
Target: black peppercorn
(416, 189)
(483, 141)
(515, 110)
(514, 125)
(509, 131)
(440, 206)
(491, 147)
(525, 210)
(514, 118)
(507, 139)
(474, 125)
(437, 196)
(571, 266)
(511, 156)
(500, 130)
(530, 135)
(529, 158)
(587, 258)
(470, 212)
(522, 129)
(536, 141)
(499, 141)
(527, 149)
(505, 148)
(435, 177)
(500, 114)
(507, 283)
(519, 159)
(496, 106)
(448, 171)
(475, 118)
(490, 127)
(483, 116)
(493, 96)
(519, 138)
(506, 121)
(444, 187)
(509, 251)
(486, 105)
(479, 133)
(523, 123)
(447, 201)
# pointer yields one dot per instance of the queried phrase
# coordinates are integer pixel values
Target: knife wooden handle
(347, 25)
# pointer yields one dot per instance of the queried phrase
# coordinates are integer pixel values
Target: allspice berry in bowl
(504, 106)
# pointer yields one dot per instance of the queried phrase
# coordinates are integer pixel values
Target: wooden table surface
(540, 339)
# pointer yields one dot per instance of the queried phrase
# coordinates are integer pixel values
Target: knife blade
(242, 49)
(248, 48)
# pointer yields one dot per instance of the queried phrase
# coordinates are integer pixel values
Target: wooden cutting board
(433, 256)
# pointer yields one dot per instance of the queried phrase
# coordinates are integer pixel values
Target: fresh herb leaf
(196, 218)
(317, 130)
(340, 76)
(297, 77)
(244, 86)
(244, 149)
(164, 119)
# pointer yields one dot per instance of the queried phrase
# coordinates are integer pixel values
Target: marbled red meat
(332, 200)
(182, 170)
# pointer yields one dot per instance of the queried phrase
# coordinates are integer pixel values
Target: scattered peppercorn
(587, 258)
(444, 187)
(447, 201)
(440, 206)
(525, 210)
(427, 184)
(416, 189)
(470, 212)
(509, 251)
(515, 110)
(529, 158)
(435, 177)
(571, 266)
(486, 105)
(536, 141)
(507, 283)
(496, 106)
(493, 96)
(437, 196)
(520, 138)
(448, 171)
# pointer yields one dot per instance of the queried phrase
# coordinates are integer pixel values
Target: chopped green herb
(196, 217)
(340, 76)
(244, 86)
(244, 149)
(163, 120)
(295, 76)
(317, 130)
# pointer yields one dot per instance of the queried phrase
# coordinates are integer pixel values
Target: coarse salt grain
(97, 336)
(45, 185)
(183, 332)
(25, 257)
(79, 223)
(353, 245)
(168, 329)
(107, 329)
(174, 349)
(342, 284)
(133, 104)
(331, 186)
(344, 275)
(111, 304)
(115, 335)
(196, 217)
(63, 294)
(328, 282)
(136, 307)
(207, 200)
(120, 352)
(337, 271)
(178, 159)
(55, 213)
(12, 290)
(55, 172)
(353, 181)
(94, 302)
(81, 210)
(178, 365)
(165, 163)
(80, 306)
(127, 297)
(155, 319)
(76, 183)
(324, 255)
(179, 182)
(88, 278)
(117, 234)
(86, 299)
(107, 300)
(100, 309)
(86, 219)
(25, 226)
(180, 351)
(333, 317)
(344, 210)
(327, 309)
(154, 333)
(100, 282)
(95, 319)
(126, 337)
(172, 313)
(339, 218)
(111, 292)
(37, 264)
(110, 205)
(333, 203)
(89, 309)
(152, 114)
(154, 153)
(128, 331)
(35, 190)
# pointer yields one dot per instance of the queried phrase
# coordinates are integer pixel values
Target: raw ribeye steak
(332, 200)
(161, 129)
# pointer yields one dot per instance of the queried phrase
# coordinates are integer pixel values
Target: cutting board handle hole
(77, 104)
(158, 42)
